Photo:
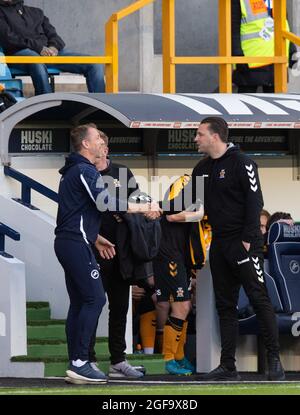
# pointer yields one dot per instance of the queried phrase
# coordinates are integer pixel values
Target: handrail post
(26, 194)
(280, 69)
(29, 184)
(7, 231)
(112, 49)
(168, 37)
(2, 242)
(225, 47)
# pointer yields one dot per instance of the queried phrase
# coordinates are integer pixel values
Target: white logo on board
(294, 267)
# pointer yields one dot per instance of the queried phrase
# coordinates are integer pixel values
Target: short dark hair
(217, 125)
(276, 217)
(79, 133)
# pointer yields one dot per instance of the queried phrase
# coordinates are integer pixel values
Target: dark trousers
(231, 267)
(253, 89)
(86, 293)
(117, 290)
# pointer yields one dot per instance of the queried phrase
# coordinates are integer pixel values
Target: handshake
(150, 210)
(143, 203)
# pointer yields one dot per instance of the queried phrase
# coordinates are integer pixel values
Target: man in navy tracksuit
(116, 287)
(233, 202)
(82, 195)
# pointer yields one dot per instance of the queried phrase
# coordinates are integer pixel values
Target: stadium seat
(282, 278)
(247, 317)
(14, 86)
(51, 71)
(284, 261)
(15, 72)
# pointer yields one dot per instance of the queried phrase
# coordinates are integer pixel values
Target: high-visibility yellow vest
(257, 30)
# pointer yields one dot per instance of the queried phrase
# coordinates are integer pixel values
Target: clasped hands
(49, 51)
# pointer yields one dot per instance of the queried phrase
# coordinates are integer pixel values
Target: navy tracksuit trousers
(86, 293)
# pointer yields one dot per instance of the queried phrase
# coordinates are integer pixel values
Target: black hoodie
(24, 27)
(232, 195)
(121, 177)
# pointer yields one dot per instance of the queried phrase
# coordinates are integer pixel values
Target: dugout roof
(136, 111)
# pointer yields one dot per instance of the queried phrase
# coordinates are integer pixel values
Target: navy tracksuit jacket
(81, 194)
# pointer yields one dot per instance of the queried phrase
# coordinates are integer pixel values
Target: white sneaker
(124, 370)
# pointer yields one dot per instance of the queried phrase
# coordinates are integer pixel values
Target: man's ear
(85, 143)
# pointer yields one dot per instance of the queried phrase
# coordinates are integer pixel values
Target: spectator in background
(26, 31)
(253, 35)
(266, 220)
(280, 217)
(264, 217)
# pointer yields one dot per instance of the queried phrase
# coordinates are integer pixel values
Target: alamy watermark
(114, 194)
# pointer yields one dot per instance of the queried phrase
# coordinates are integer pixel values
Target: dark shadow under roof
(171, 111)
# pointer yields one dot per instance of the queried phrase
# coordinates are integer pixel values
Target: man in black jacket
(26, 31)
(233, 202)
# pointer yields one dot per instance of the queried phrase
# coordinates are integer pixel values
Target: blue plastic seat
(284, 258)
(282, 278)
(15, 72)
(247, 318)
(14, 86)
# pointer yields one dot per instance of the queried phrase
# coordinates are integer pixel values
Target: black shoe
(276, 371)
(221, 373)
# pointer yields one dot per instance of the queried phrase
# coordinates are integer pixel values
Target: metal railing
(225, 60)
(11, 233)
(29, 184)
